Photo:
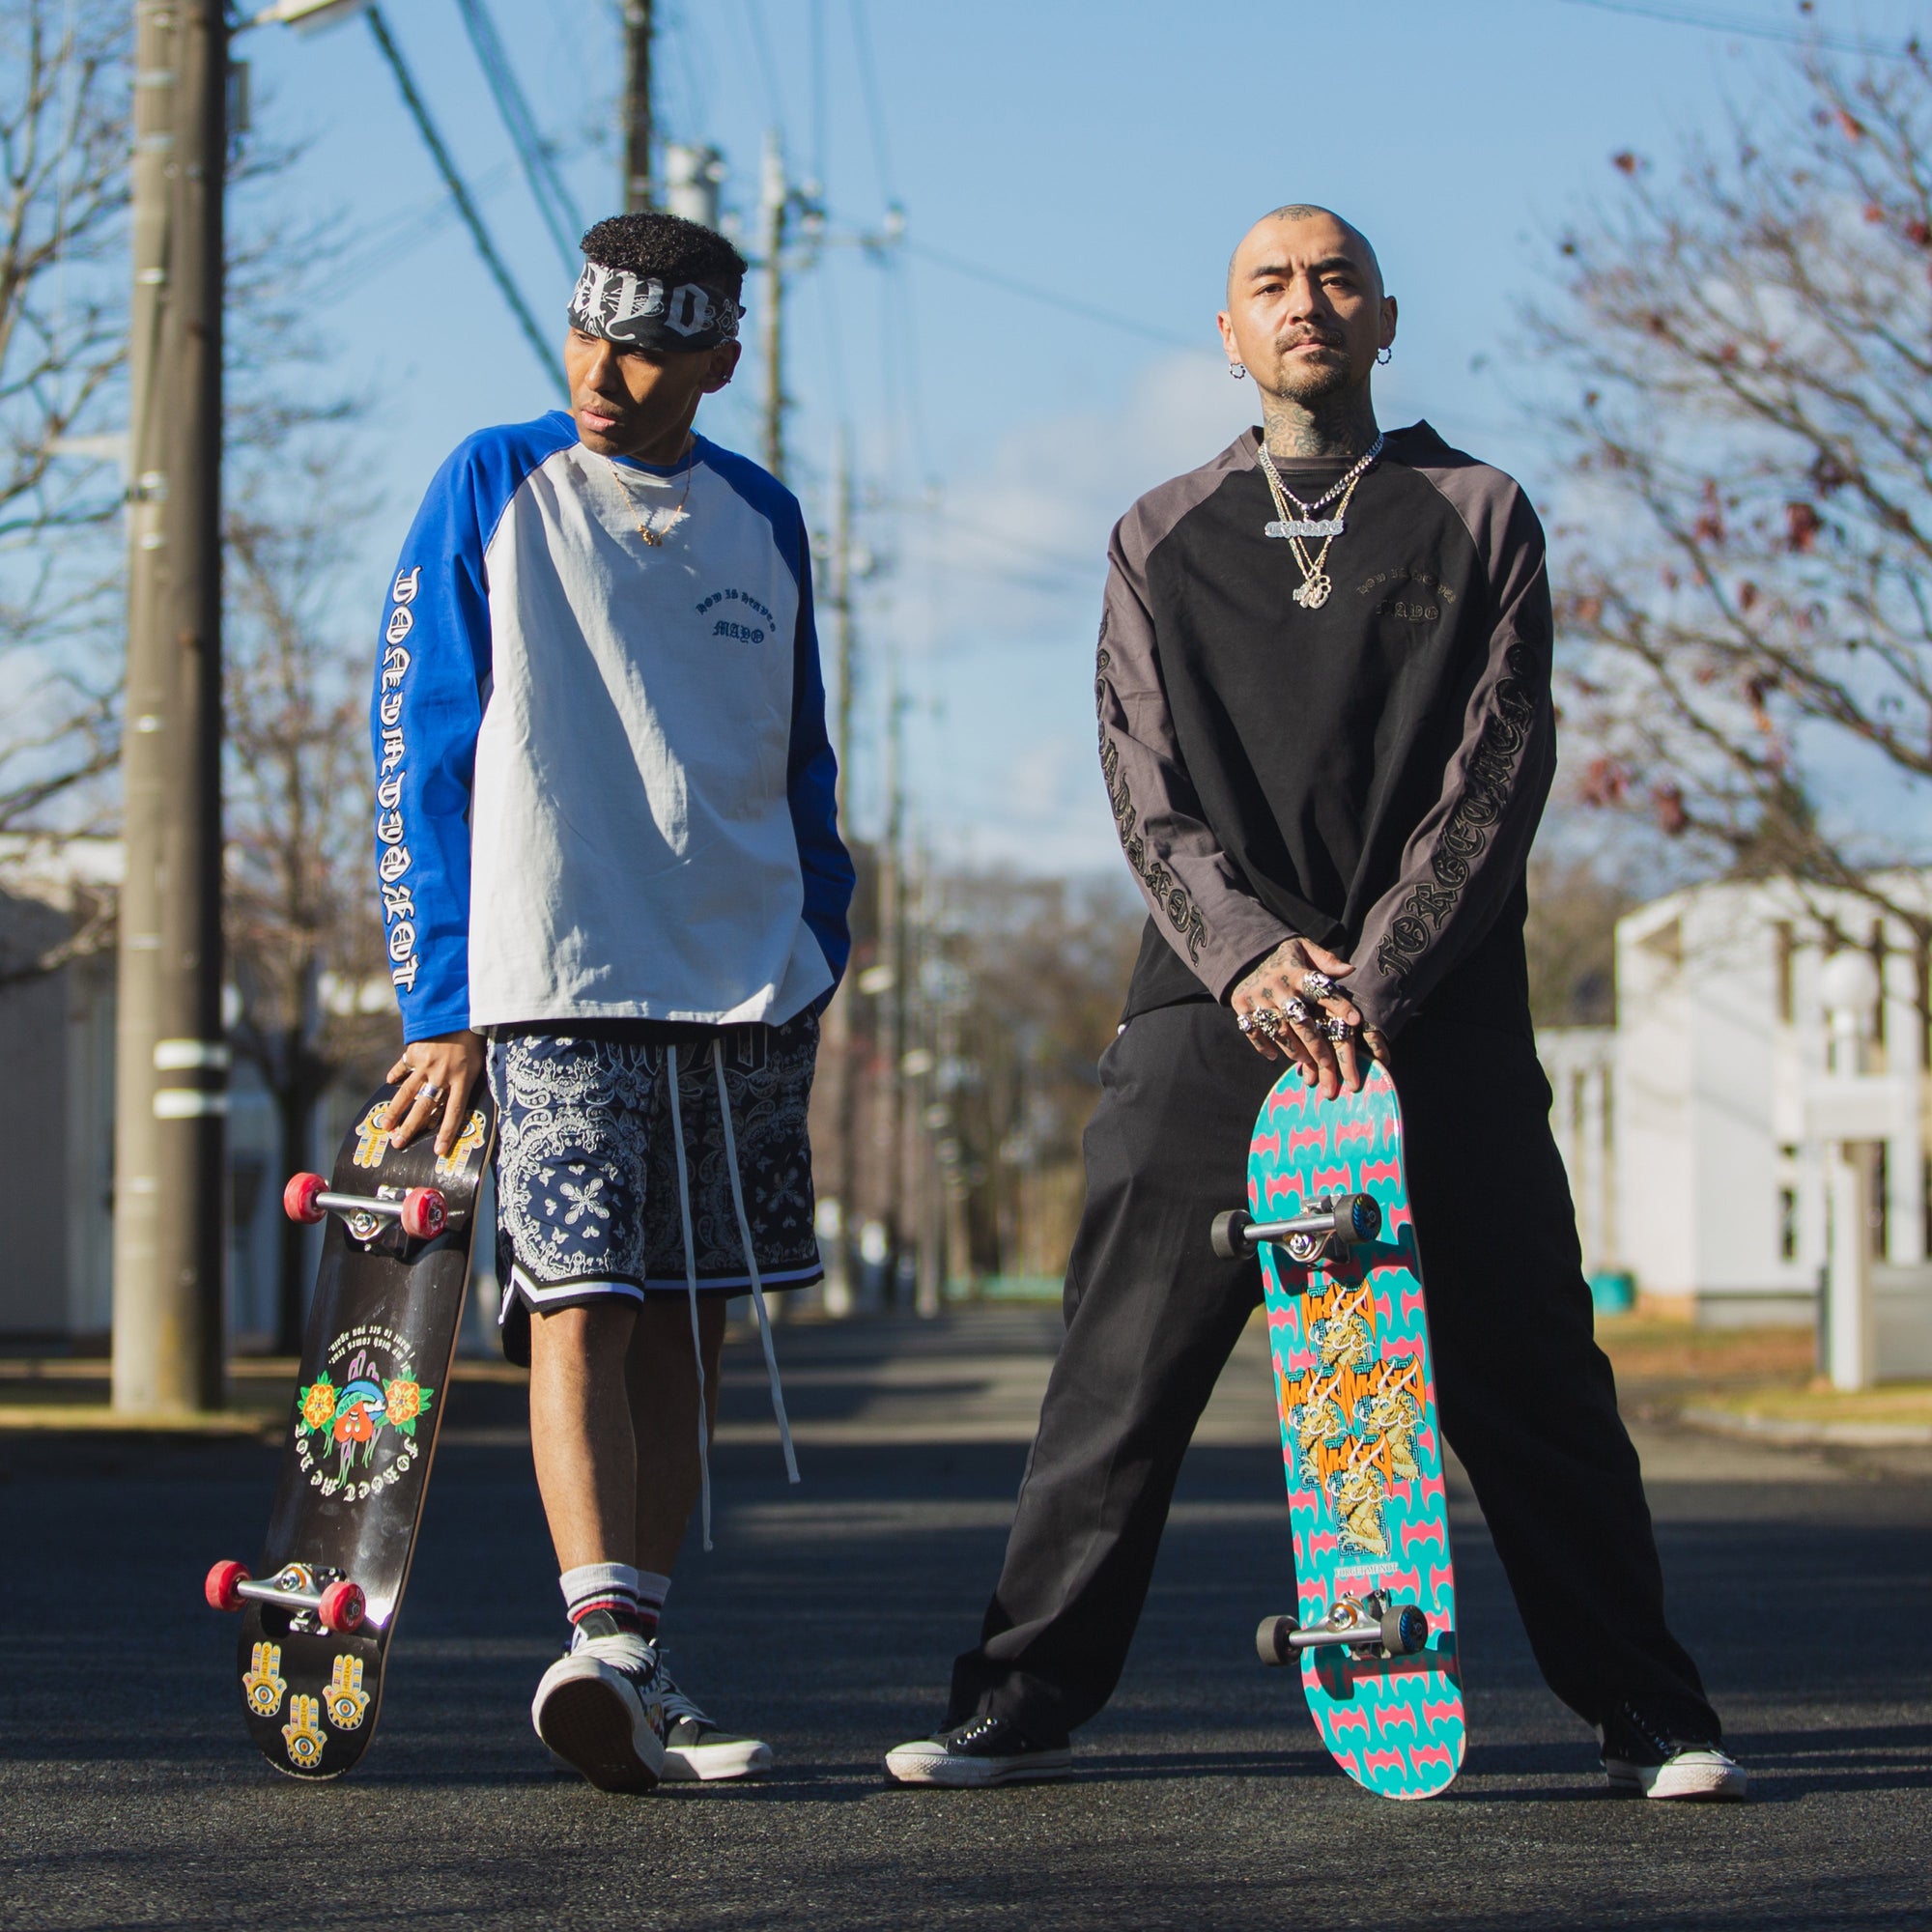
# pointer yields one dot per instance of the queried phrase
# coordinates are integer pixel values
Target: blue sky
(1110, 153)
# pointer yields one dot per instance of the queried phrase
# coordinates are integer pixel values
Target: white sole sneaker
(927, 1761)
(1705, 1775)
(705, 1764)
(591, 1716)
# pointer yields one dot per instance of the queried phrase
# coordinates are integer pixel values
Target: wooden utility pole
(836, 1056)
(773, 210)
(638, 129)
(890, 1112)
(171, 1063)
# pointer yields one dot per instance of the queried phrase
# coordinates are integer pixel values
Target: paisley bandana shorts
(588, 1203)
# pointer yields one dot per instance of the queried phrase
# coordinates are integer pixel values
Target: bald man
(1327, 737)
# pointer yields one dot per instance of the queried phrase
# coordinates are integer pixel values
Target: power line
(755, 20)
(1749, 29)
(458, 193)
(552, 199)
(1033, 293)
(394, 239)
(869, 87)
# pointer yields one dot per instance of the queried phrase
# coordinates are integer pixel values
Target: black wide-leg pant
(1526, 1397)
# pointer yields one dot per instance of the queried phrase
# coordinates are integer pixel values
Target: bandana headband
(640, 313)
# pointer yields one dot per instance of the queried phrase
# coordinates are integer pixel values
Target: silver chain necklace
(1316, 583)
(1308, 524)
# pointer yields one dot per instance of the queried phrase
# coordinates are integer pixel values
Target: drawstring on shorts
(751, 1265)
(690, 1287)
(751, 1269)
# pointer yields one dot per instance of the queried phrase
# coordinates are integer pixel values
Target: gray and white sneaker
(600, 1707)
(981, 1751)
(697, 1750)
(1641, 1756)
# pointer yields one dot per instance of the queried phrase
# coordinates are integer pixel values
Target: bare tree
(1043, 965)
(63, 305)
(1746, 551)
(304, 946)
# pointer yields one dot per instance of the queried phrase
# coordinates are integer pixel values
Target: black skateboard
(319, 1608)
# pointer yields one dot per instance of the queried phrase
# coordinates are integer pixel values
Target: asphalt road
(827, 1617)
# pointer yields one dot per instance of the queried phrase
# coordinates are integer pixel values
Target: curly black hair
(669, 246)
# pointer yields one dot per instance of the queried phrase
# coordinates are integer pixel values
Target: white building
(57, 1137)
(1683, 1126)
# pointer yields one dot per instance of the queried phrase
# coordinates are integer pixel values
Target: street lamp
(306, 15)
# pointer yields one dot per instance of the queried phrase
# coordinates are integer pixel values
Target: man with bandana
(1326, 733)
(609, 872)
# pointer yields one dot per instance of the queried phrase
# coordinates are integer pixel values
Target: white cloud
(996, 602)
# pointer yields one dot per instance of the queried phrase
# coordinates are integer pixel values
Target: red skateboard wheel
(425, 1213)
(341, 1607)
(220, 1590)
(299, 1197)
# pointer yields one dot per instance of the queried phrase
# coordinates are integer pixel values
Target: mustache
(1300, 337)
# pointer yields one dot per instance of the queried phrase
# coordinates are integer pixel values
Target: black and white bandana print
(586, 1165)
(640, 312)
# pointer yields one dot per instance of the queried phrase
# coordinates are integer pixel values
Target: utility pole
(773, 211)
(890, 1113)
(638, 129)
(171, 1063)
(838, 1037)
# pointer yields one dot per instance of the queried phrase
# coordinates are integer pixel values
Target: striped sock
(610, 1587)
(652, 1590)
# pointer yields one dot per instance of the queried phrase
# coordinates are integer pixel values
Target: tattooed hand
(1282, 977)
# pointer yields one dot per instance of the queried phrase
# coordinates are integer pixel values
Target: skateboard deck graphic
(361, 1435)
(1355, 1388)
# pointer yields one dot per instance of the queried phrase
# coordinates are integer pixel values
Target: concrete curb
(1815, 1435)
(97, 1419)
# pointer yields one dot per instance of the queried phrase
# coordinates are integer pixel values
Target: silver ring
(1336, 1030)
(429, 1090)
(1296, 1011)
(1267, 1020)
(1317, 986)
(1246, 1022)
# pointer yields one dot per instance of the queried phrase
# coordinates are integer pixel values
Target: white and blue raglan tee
(604, 785)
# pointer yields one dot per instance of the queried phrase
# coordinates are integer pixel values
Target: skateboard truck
(322, 1598)
(1367, 1625)
(420, 1211)
(1325, 1234)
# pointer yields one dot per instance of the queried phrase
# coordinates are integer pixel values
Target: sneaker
(1641, 1756)
(600, 1709)
(695, 1749)
(982, 1751)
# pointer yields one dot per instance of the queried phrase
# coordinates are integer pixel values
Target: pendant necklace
(1316, 584)
(655, 537)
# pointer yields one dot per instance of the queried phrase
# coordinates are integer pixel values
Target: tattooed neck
(1337, 426)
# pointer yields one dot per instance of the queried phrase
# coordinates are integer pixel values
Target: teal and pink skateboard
(1374, 1628)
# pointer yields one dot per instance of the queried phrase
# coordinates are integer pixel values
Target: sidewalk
(1759, 1382)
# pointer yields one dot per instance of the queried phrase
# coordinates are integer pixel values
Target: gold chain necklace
(1316, 583)
(655, 538)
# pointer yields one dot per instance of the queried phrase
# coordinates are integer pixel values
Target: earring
(1237, 370)
(1384, 356)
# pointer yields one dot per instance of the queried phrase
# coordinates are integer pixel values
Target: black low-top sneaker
(1640, 1755)
(982, 1751)
(699, 1750)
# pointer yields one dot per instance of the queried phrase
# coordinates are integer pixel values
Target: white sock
(652, 1590)
(600, 1586)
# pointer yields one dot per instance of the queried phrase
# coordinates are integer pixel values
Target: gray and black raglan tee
(1368, 775)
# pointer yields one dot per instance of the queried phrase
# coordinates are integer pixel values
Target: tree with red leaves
(1745, 550)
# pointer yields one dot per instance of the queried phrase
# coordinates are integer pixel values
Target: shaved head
(1308, 211)
(1307, 315)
